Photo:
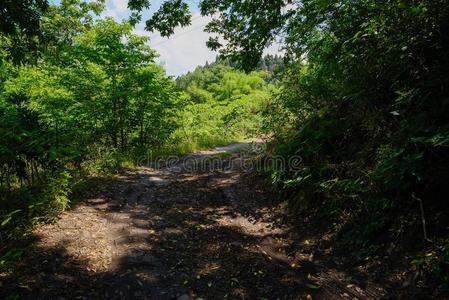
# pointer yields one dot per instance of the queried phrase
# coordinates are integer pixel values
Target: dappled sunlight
(83, 235)
(204, 234)
(247, 226)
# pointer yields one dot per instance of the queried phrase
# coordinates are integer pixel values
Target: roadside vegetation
(224, 105)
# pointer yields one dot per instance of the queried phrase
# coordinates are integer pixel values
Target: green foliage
(93, 99)
(434, 263)
(171, 14)
(224, 106)
(364, 103)
(20, 27)
(54, 196)
(23, 14)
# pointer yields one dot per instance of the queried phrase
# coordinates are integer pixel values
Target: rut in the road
(171, 233)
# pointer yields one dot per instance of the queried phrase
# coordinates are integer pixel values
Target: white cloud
(117, 9)
(120, 6)
(275, 48)
(185, 49)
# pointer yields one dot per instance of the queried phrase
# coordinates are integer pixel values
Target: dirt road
(172, 232)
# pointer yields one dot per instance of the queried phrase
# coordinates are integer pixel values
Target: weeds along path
(176, 233)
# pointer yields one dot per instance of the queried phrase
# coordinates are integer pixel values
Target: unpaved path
(176, 233)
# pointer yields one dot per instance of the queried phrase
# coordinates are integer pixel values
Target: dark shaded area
(189, 242)
(21, 14)
(210, 235)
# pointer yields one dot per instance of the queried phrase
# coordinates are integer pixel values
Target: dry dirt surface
(171, 232)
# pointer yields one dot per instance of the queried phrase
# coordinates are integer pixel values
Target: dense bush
(364, 103)
(225, 105)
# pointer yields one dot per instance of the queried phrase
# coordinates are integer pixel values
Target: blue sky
(183, 51)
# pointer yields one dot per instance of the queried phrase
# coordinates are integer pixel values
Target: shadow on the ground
(188, 236)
